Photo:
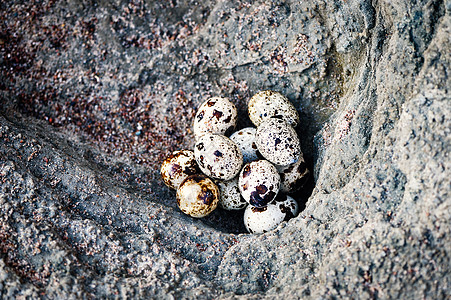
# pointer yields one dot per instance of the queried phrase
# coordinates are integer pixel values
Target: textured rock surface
(94, 95)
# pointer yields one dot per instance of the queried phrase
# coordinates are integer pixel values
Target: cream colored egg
(197, 196)
(262, 219)
(270, 104)
(259, 182)
(278, 142)
(230, 196)
(177, 166)
(218, 156)
(216, 115)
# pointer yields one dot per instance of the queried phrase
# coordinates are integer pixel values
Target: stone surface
(93, 95)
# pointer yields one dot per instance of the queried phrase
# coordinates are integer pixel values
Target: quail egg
(177, 166)
(269, 104)
(278, 142)
(216, 115)
(293, 177)
(230, 196)
(245, 139)
(264, 219)
(197, 196)
(259, 182)
(287, 205)
(218, 156)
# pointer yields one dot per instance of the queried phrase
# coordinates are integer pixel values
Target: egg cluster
(252, 169)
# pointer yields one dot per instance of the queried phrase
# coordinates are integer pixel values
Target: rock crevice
(93, 97)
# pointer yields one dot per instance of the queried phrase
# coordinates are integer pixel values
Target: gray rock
(94, 95)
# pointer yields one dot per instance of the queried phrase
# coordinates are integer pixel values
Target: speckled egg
(216, 115)
(197, 196)
(230, 196)
(293, 177)
(287, 205)
(218, 156)
(269, 104)
(259, 182)
(177, 166)
(245, 139)
(278, 142)
(262, 219)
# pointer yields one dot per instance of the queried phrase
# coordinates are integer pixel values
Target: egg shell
(293, 177)
(262, 219)
(230, 196)
(278, 142)
(197, 196)
(259, 182)
(216, 115)
(245, 139)
(218, 156)
(287, 205)
(268, 104)
(177, 167)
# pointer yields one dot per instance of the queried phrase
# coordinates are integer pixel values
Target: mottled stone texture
(93, 95)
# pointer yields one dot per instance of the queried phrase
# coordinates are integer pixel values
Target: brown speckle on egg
(258, 209)
(246, 170)
(217, 114)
